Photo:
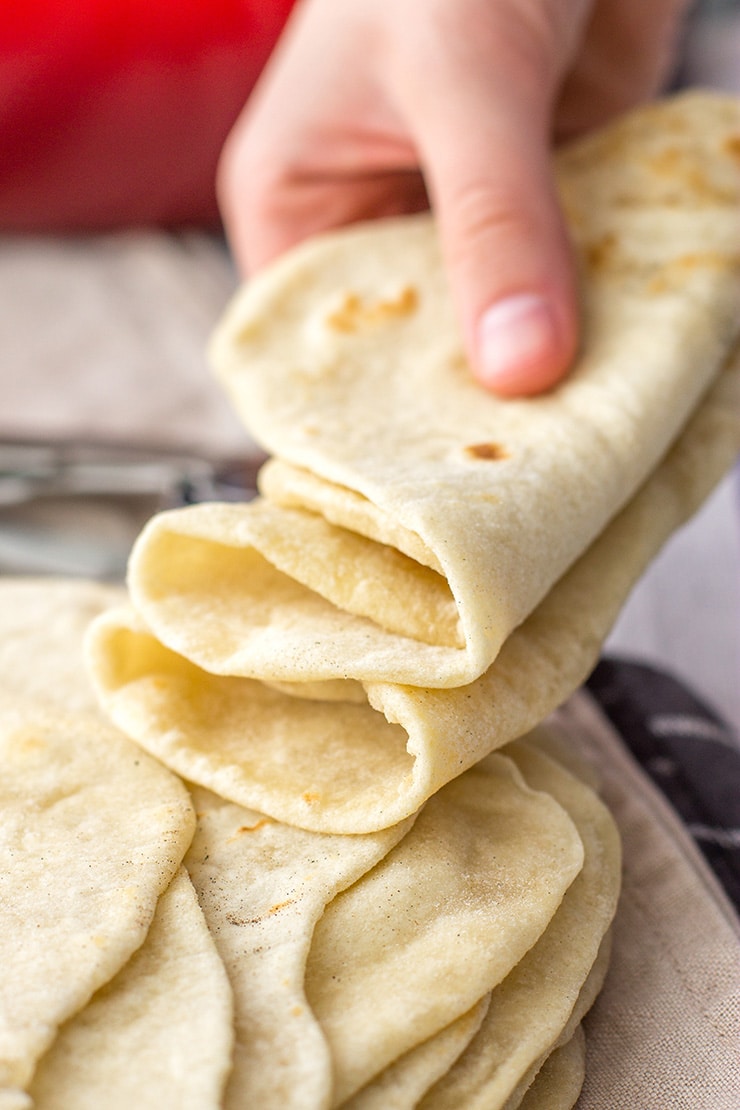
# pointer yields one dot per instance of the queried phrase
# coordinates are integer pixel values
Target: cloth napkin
(687, 751)
(665, 1032)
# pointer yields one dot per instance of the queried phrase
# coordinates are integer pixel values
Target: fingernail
(514, 337)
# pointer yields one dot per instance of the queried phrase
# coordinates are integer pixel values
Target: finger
(485, 153)
(263, 225)
(628, 51)
(336, 153)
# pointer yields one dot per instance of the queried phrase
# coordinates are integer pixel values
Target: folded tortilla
(338, 766)
(92, 833)
(446, 916)
(262, 887)
(559, 1082)
(545, 997)
(402, 1084)
(423, 518)
(92, 830)
(159, 1034)
(485, 871)
(42, 626)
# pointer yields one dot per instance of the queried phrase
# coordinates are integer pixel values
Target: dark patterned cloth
(688, 752)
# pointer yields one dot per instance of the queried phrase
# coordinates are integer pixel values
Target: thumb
(485, 152)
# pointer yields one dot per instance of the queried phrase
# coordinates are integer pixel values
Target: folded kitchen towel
(664, 1032)
(688, 752)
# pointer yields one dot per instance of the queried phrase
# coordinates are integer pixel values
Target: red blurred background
(114, 111)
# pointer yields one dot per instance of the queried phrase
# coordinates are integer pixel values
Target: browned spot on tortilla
(703, 188)
(732, 146)
(259, 825)
(352, 313)
(404, 304)
(310, 797)
(601, 252)
(658, 285)
(234, 920)
(252, 828)
(492, 451)
(281, 905)
(703, 258)
(27, 739)
(667, 161)
(249, 828)
(672, 162)
(675, 272)
(345, 318)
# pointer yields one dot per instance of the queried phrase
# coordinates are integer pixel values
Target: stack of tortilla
(430, 569)
(164, 946)
(411, 904)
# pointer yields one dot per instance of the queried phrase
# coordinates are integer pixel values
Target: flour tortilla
(401, 1085)
(345, 361)
(42, 624)
(159, 1034)
(440, 921)
(404, 1084)
(549, 991)
(559, 1083)
(15, 1100)
(93, 831)
(344, 767)
(262, 887)
(586, 999)
(327, 766)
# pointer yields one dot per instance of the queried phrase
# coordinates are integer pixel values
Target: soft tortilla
(546, 992)
(401, 1085)
(93, 831)
(489, 864)
(262, 887)
(344, 360)
(348, 768)
(440, 921)
(42, 625)
(558, 1084)
(159, 1034)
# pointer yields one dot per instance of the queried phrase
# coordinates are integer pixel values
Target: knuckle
(247, 176)
(522, 36)
(482, 213)
(538, 36)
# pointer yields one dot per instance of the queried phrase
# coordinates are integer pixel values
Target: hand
(376, 107)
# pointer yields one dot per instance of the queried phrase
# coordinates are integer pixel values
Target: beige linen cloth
(104, 338)
(665, 1032)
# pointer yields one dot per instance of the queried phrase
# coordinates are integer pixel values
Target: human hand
(378, 107)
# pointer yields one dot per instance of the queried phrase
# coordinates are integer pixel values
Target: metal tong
(75, 508)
